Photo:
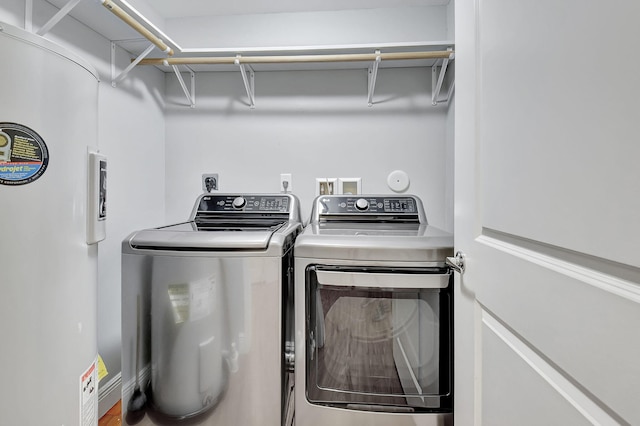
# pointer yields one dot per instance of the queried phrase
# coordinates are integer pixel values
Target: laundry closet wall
(131, 135)
(311, 123)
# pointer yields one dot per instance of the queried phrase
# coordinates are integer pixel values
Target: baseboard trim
(109, 394)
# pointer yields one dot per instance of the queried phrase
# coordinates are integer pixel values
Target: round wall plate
(398, 181)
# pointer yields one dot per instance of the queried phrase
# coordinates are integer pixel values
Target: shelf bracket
(437, 78)
(64, 11)
(249, 82)
(123, 74)
(372, 75)
(191, 96)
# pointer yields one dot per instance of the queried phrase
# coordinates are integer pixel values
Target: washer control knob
(238, 202)
(362, 204)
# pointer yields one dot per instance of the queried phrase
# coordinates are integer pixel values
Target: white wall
(310, 124)
(367, 26)
(131, 134)
(12, 12)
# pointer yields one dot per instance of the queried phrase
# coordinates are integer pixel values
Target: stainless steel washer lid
(226, 222)
(180, 236)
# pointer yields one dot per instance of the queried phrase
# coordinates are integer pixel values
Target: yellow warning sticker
(102, 368)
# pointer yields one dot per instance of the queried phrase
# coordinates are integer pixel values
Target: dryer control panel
(369, 208)
(367, 204)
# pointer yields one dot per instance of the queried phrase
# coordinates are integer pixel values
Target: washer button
(238, 203)
(362, 204)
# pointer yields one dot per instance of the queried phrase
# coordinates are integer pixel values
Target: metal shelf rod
(347, 57)
(133, 23)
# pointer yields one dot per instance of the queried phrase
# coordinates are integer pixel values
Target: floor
(111, 417)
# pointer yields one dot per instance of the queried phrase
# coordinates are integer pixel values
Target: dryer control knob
(238, 202)
(362, 204)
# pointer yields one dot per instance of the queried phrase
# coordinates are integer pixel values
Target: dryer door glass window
(379, 338)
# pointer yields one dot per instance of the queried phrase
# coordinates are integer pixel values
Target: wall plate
(326, 186)
(350, 186)
(398, 181)
(209, 182)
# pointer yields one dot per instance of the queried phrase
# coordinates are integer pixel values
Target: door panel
(547, 310)
(583, 322)
(559, 128)
(537, 403)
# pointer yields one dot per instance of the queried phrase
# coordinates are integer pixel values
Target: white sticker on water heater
(192, 301)
(202, 298)
(179, 297)
(89, 395)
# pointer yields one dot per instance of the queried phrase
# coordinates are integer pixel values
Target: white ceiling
(184, 8)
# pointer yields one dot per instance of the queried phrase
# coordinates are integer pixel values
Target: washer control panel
(244, 203)
(378, 205)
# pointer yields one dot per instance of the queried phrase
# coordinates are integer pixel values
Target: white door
(547, 153)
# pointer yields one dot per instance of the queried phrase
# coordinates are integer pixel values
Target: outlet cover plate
(326, 186)
(210, 182)
(350, 186)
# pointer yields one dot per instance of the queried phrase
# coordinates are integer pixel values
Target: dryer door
(379, 339)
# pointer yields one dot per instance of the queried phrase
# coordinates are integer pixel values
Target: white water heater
(48, 270)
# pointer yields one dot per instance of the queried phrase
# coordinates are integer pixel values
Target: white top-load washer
(373, 313)
(216, 295)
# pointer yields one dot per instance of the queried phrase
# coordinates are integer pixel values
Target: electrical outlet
(326, 186)
(210, 182)
(285, 182)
